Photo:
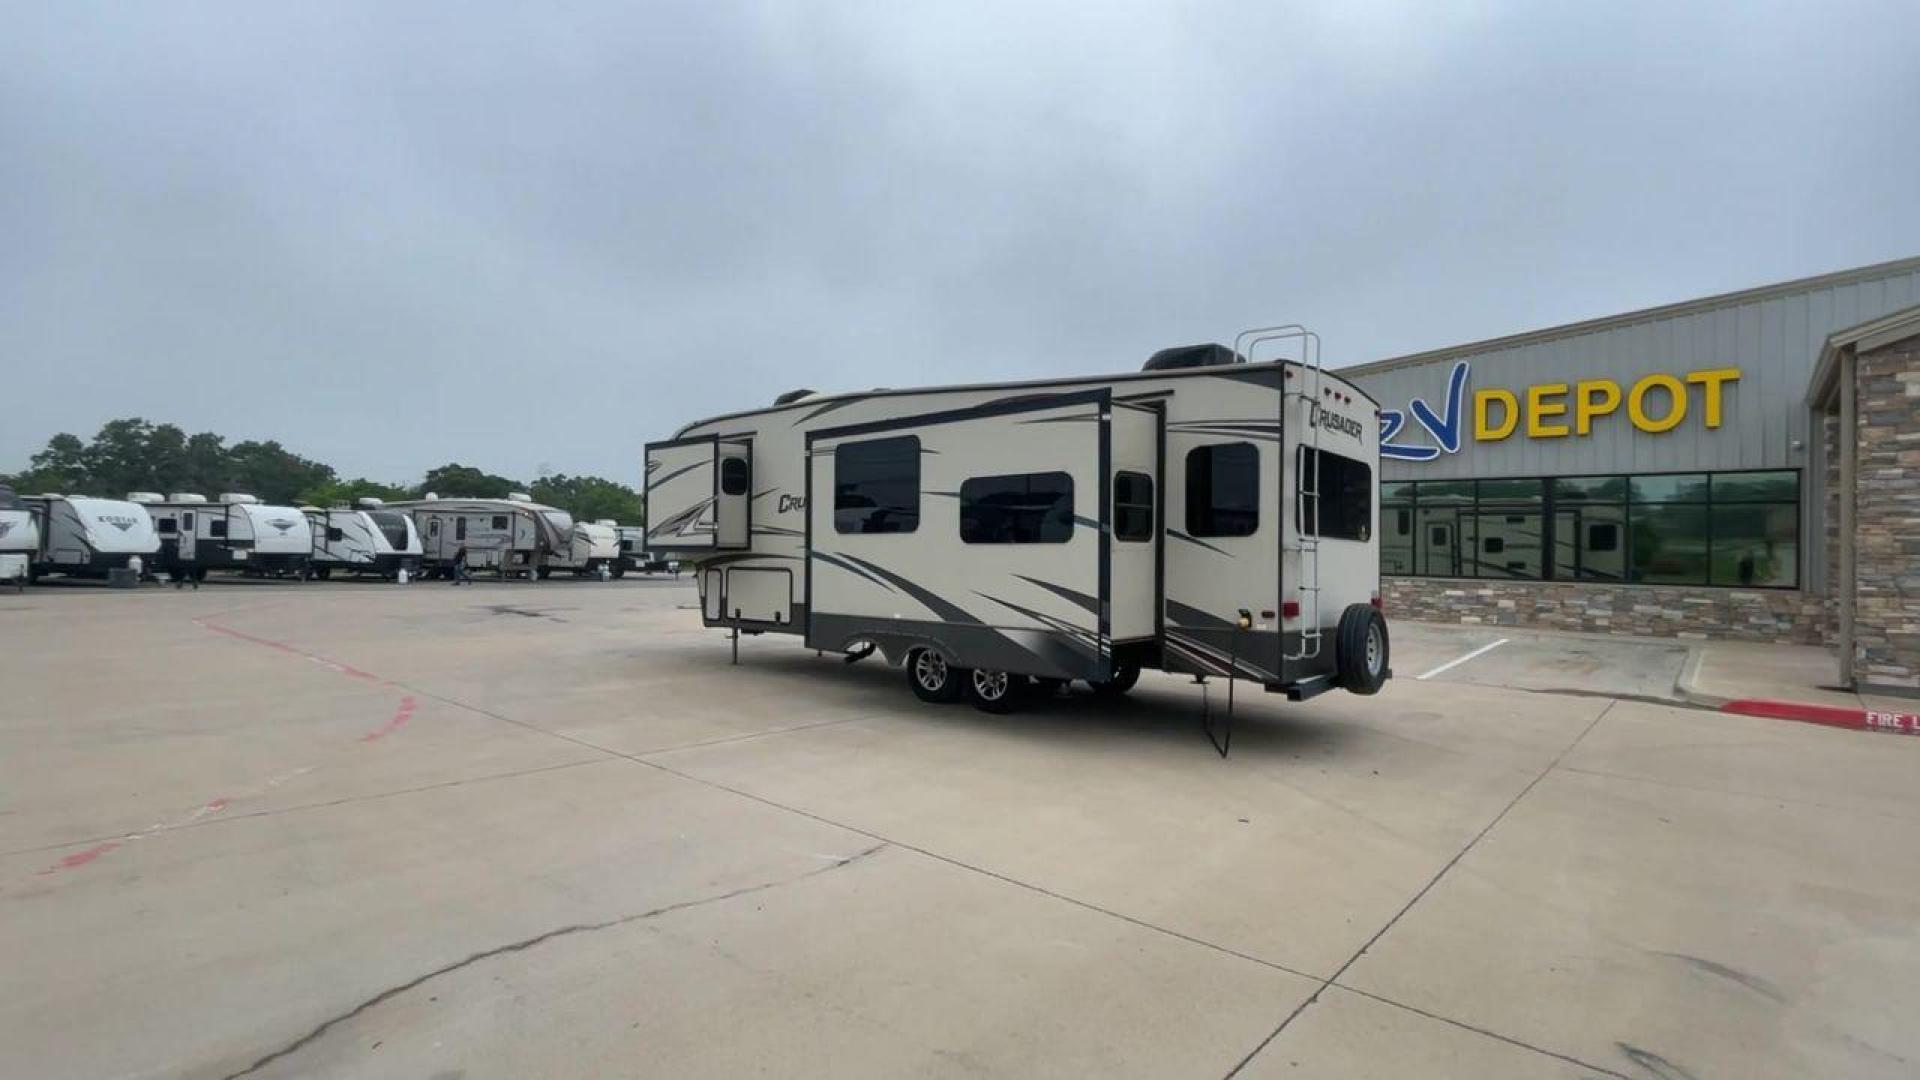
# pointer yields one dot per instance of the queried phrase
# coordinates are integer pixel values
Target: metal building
(1674, 447)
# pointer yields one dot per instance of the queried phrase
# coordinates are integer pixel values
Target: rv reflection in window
(1223, 490)
(876, 486)
(1346, 495)
(1023, 508)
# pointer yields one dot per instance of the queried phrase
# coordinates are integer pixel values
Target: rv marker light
(1290, 609)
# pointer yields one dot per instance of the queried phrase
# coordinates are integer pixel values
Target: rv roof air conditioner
(792, 396)
(369, 503)
(237, 497)
(605, 521)
(144, 497)
(431, 496)
(1192, 356)
(519, 496)
(186, 497)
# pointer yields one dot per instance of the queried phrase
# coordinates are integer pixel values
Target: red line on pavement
(1828, 715)
(400, 716)
(82, 858)
(344, 669)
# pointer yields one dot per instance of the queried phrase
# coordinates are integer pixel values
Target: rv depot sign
(1655, 403)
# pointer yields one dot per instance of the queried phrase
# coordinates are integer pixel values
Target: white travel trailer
(510, 536)
(590, 547)
(635, 558)
(238, 532)
(1206, 515)
(19, 538)
(82, 536)
(369, 539)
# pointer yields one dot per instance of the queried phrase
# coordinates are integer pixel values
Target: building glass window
(1736, 529)
(876, 486)
(1132, 506)
(1024, 508)
(1223, 490)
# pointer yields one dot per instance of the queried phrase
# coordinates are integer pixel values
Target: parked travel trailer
(19, 538)
(636, 559)
(238, 532)
(591, 546)
(81, 536)
(510, 536)
(1206, 515)
(369, 539)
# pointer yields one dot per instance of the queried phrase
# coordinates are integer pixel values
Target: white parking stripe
(1458, 660)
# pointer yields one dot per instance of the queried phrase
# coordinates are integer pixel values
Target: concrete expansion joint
(524, 944)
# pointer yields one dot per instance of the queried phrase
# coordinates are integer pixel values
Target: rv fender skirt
(1360, 649)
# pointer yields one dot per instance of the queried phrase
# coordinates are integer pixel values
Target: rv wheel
(543, 572)
(619, 571)
(1360, 649)
(934, 679)
(995, 691)
(1123, 679)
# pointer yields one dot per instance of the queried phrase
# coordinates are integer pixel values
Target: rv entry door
(698, 492)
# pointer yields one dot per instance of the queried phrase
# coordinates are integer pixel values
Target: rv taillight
(1290, 609)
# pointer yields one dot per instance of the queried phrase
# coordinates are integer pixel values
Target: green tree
(347, 492)
(590, 498)
(465, 482)
(60, 467)
(273, 472)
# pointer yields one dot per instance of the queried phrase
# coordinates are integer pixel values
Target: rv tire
(994, 691)
(932, 678)
(1044, 686)
(543, 572)
(1360, 649)
(1123, 679)
(619, 571)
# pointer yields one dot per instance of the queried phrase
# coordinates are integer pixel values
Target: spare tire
(1360, 649)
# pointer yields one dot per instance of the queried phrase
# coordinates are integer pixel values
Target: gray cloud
(397, 235)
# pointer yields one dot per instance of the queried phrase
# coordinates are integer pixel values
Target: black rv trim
(1105, 479)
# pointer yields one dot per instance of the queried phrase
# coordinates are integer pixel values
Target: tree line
(133, 455)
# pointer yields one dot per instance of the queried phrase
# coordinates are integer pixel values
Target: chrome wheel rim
(990, 685)
(1374, 648)
(930, 668)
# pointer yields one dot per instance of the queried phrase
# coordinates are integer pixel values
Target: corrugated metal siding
(1774, 341)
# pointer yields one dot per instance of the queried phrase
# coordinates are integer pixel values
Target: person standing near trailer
(460, 574)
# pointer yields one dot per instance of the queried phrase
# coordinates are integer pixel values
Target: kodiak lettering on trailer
(792, 502)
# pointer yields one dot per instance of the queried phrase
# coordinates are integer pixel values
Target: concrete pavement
(523, 830)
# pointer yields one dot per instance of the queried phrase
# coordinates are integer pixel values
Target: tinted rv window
(499, 521)
(163, 526)
(217, 527)
(392, 526)
(1223, 490)
(1346, 495)
(733, 476)
(1025, 508)
(335, 534)
(1132, 506)
(459, 528)
(876, 486)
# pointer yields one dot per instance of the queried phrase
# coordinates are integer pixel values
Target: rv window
(217, 527)
(1132, 506)
(499, 521)
(164, 526)
(392, 526)
(733, 476)
(334, 534)
(1025, 508)
(186, 521)
(1346, 495)
(459, 528)
(1223, 490)
(876, 486)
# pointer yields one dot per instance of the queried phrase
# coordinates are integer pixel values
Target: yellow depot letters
(1656, 403)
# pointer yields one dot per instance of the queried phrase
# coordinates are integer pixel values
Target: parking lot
(547, 830)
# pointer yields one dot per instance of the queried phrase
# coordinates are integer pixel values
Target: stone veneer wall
(1886, 621)
(1774, 615)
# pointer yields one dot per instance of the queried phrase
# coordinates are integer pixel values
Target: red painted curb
(1830, 715)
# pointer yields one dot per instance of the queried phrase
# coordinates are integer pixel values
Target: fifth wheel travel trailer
(636, 559)
(238, 532)
(19, 538)
(591, 547)
(81, 536)
(368, 539)
(510, 536)
(1207, 515)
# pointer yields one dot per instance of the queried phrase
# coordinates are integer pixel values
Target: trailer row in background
(187, 536)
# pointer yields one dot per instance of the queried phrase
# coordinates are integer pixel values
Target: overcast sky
(532, 237)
